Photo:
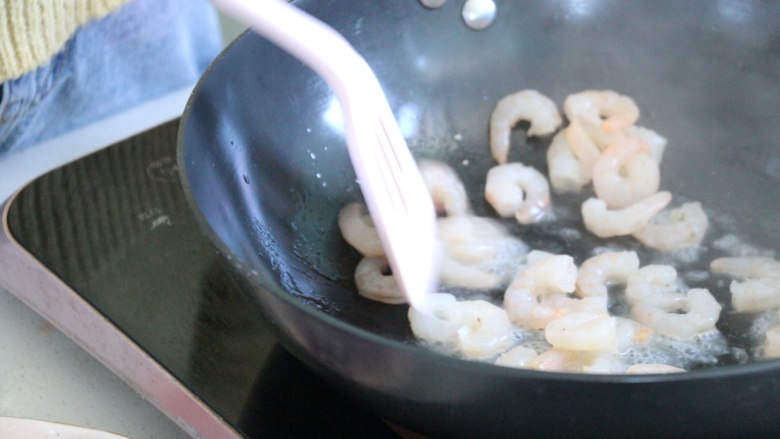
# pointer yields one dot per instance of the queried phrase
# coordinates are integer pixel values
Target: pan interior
(265, 157)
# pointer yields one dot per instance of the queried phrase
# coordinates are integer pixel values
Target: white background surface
(43, 374)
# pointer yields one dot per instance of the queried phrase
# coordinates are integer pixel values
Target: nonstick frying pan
(264, 163)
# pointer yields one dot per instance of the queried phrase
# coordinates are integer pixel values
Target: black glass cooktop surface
(115, 226)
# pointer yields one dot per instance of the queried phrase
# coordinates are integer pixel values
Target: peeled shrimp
(760, 289)
(475, 252)
(618, 110)
(567, 174)
(654, 141)
(560, 360)
(528, 105)
(485, 329)
(441, 324)
(751, 267)
(649, 368)
(519, 190)
(566, 304)
(478, 328)
(582, 331)
(625, 173)
(630, 333)
(701, 312)
(537, 255)
(603, 363)
(447, 190)
(472, 239)
(432, 4)
(562, 302)
(601, 138)
(655, 285)
(374, 281)
(358, 229)
(519, 357)
(547, 275)
(772, 342)
(676, 229)
(583, 147)
(597, 272)
(461, 274)
(606, 223)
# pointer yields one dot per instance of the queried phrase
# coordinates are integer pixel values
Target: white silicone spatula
(392, 186)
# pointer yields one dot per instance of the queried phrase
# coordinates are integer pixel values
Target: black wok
(266, 170)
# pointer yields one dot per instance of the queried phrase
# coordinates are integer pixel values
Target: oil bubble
(479, 14)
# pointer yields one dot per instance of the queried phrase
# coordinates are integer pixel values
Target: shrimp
(625, 174)
(432, 4)
(603, 363)
(630, 332)
(472, 239)
(358, 230)
(485, 329)
(582, 331)
(562, 301)
(519, 357)
(374, 281)
(648, 368)
(676, 229)
(547, 275)
(567, 174)
(583, 147)
(528, 105)
(478, 329)
(606, 223)
(598, 136)
(566, 304)
(753, 295)
(456, 273)
(446, 189)
(619, 111)
(441, 323)
(654, 141)
(751, 267)
(597, 272)
(654, 285)
(536, 255)
(475, 251)
(701, 314)
(772, 342)
(559, 360)
(760, 289)
(519, 190)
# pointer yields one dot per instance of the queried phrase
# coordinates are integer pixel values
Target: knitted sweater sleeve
(31, 31)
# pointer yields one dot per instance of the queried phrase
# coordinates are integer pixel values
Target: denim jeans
(141, 51)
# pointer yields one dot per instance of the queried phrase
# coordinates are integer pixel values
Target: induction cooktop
(108, 250)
